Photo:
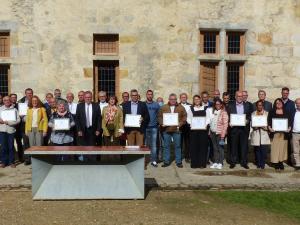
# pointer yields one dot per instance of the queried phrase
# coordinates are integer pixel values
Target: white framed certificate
(259, 121)
(170, 119)
(279, 124)
(22, 107)
(132, 120)
(198, 123)
(237, 120)
(9, 115)
(62, 124)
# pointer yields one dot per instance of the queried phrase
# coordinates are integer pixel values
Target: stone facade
(52, 42)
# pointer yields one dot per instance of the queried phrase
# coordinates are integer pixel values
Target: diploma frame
(9, 115)
(63, 121)
(170, 119)
(22, 107)
(280, 124)
(132, 120)
(238, 120)
(259, 121)
(198, 123)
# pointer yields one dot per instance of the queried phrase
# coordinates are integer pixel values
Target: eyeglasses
(134, 95)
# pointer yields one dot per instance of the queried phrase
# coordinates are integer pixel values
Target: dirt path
(175, 207)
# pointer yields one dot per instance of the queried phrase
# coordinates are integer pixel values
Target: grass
(285, 203)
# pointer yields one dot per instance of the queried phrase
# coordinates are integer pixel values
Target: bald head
(297, 102)
(239, 96)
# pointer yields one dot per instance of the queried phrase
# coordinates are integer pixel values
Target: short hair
(133, 90)
(49, 94)
(28, 89)
(88, 92)
(6, 96)
(204, 93)
(259, 101)
(102, 92)
(149, 91)
(13, 94)
(183, 94)
(70, 93)
(125, 92)
(262, 91)
(285, 89)
(245, 91)
(238, 92)
(297, 99)
(57, 89)
(172, 95)
(225, 94)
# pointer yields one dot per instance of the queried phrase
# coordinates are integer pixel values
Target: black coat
(247, 110)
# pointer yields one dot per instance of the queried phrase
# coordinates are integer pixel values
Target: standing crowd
(104, 123)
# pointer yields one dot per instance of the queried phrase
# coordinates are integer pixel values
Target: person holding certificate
(259, 135)
(279, 124)
(239, 117)
(112, 122)
(171, 118)
(198, 120)
(9, 118)
(296, 135)
(218, 130)
(61, 123)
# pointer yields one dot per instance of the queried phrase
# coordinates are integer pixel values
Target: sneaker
(219, 166)
(214, 166)
(154, 164)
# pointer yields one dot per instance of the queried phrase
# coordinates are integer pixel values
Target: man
(172, 132)
(88, 121)
(296, 135)
(226, 98)
(216, 94)
(262, 97)
(239, 134)
(185, 129)
(205, 100)
(81, 97)
(135, 135)
(58, 98)
(245, 100)
(28, 96)
(125, 98)
(102, 97)
(1, 100)
(160, 102)
(47, 99)
(18, 133)
(72, 106)
(151, 130)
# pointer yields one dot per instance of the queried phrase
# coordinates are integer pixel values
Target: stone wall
(52, 42)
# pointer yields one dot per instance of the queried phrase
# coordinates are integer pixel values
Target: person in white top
(102, 97)
(296, 135)
(72, 106)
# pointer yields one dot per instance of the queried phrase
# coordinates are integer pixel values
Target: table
(122, 178)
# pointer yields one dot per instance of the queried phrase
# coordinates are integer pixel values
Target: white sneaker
(219, 166)
(213, 166)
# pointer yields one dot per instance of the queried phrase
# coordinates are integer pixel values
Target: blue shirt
(134, 106)
(153, 108)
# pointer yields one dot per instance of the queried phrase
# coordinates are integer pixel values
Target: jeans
(218, 149)
(167, 137)
(7, 148)
(151, 137)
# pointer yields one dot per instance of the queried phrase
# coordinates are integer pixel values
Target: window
(209, 42)
(4, 44)
(106, 44)
(208, 77)
(106, 76)
(235, 42)
(4, 74)
(235, 78)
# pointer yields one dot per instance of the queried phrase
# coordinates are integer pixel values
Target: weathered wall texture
(52, 42)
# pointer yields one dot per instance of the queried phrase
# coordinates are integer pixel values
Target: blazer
(42, 120)
(247, 110)
(290, 107)
(260, 136)
(141, 110)
(118, 122)
(80, 117)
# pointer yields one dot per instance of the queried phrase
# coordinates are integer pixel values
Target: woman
(7, 134)
(61, 137)
(112, 122)
(279, 144)
(218, 130)
(36, 122)
(260, 137)
(198, 138)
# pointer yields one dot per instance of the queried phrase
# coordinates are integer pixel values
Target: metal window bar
(233, 79)
(107, 79)
(4, 79)
(3, 47)
(209, 42)
(106, 43)
(234, 43)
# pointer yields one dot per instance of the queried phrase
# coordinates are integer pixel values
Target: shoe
(281, 166)
(187, 160)
(246, 167)
(297, 168)
(27, 163)
(179, 165)
(2, 165)
(165, 165)
(219, 166)
(214, 166)
(13, 165)
(154, 164)
(232, 166)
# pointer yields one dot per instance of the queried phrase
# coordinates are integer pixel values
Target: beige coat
(260, 136)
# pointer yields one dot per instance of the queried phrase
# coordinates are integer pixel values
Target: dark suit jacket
(141, 110)
(81, 117)
(247, 110)
(289, 106)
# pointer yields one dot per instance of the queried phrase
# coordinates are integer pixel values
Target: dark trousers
(185, 141)
(7, 148)
(25, 146)
(18, 138)
(88, 138)
(261, 155)
(239, 145)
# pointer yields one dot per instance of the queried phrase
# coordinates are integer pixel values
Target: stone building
(166, 45)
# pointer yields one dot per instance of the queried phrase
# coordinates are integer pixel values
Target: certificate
(237, 120)
(279, 124)
(259, 121)
(198, 123)
(62, 124)
(170, 119)
(9, 115)
(22, 107)
(132, 120)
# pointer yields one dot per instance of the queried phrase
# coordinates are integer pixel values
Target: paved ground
(185, 178)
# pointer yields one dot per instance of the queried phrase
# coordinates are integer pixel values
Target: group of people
(104, 123)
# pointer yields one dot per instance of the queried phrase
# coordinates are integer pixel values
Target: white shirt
(172, 108)
(296, 127)
(102, 105)
(186, 106)
(72, 107)
(197, 108)
(90, 114)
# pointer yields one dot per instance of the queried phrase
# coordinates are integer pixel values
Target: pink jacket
(222, 123)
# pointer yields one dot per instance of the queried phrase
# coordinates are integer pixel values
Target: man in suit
(135, 135)
(262, 97)
(205, 99)
(239, 134)
(88, 121)
(80, 96)
(296, 135)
